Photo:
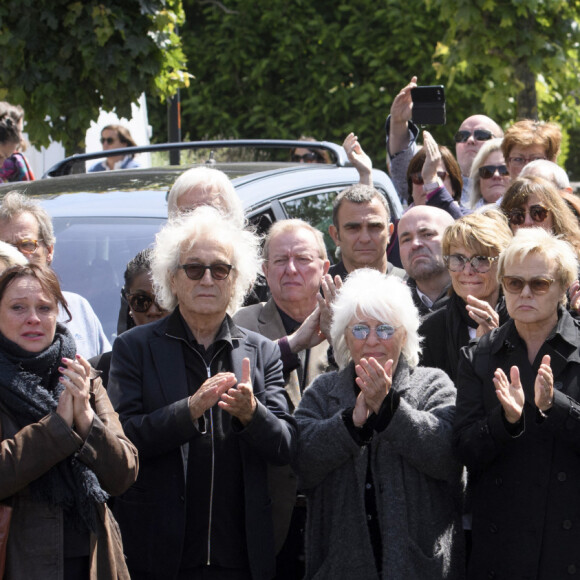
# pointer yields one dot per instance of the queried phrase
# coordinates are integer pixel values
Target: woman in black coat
(517, 426)
(471, 247)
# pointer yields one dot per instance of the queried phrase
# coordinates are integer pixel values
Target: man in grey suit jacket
(295, 261)
(203, 401)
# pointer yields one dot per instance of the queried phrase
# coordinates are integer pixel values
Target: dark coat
(148, 387)
(525, 490)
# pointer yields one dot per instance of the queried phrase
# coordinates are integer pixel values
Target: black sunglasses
(478, 135)
(417, 178)
(538, 213)
(515, 284)
(107, 140)
(142, 301)
(310, 157)
(197, 271)
(488, 171)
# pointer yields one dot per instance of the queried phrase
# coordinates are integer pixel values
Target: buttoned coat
(35, 541)
(148, 387)
(525, 490)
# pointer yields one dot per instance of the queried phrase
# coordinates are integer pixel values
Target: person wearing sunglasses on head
(402, 135)
(203, 400)
(374, 456)
(517, 426)
(527, 141)
(489, 177)
(116, 137)
(139, 304)
(471, 247)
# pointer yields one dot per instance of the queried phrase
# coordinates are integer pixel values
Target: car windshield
(92, 254)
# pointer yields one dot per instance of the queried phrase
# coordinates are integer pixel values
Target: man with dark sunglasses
(402, 134)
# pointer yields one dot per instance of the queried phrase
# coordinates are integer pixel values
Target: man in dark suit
(420, 233)
(203, 401)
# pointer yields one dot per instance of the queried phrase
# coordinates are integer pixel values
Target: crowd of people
(410, 412)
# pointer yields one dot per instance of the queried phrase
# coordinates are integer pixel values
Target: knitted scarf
(29, 390)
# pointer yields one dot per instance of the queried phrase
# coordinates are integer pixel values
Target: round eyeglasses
(538, 213)
(362, 331)
(479, 264)
(197, 271)
(26, 246)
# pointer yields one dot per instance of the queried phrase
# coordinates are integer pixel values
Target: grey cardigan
(417, 481)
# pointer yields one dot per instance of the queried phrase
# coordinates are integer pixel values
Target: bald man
(402, 134)
(420, 232)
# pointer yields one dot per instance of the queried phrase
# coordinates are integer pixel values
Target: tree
(525, 52)
(64, 60)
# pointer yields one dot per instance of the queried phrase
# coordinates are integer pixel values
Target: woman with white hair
(489, 178)
(517, 425)
(374, 454)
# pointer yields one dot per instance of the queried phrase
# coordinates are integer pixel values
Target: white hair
(548, 170)
(485, 151)
(386, 298)
(182, 234)
(207, 180)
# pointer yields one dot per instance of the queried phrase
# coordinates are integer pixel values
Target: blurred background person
(13, 165)
(489, 176)
(516, 426)
(535, 202)
(63, 450)
(142, 306)
(374, 454)
(27, 226)
(116, 137)
(306, 155)
(471, 249)
(527, 141)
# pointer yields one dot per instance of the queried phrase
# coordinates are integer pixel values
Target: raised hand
(209, 393)
(432, 158)
(483, 313)
(330, 287)
(374, 381)
(239, 401)
(360, 160)
(361, 412)
(308, 333)
(544, 385)
(510, 394)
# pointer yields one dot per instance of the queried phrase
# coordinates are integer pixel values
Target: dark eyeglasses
(479, 264)
(107, 140)
(417, 178)
(362, 331)
(515, 284)
(538, 213)
(197, 271)
(26, 246)
(309, 157)
(478, 135)
(488, 171)
(141, 301)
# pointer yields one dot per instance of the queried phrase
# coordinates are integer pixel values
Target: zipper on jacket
(209, 523)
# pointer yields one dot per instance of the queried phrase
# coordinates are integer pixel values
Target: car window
(91, 255)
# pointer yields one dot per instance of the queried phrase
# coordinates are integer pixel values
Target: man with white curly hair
(203, 401)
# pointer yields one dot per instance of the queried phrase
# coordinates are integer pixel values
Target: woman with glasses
(471, 247)
(489, 176)
(374, 455)
(527, 141)
(116, 137)
(306, 155)
(138, 305)
(517, 424)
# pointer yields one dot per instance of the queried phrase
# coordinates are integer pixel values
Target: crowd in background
(410, 411)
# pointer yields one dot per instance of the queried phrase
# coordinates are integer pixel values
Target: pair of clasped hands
(511, 394)
(235, 398)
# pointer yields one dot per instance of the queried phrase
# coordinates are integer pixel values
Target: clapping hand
(544, 385)
(510, 393)
(239, 401)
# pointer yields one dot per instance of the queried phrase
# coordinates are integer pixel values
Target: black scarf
(30, 389)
